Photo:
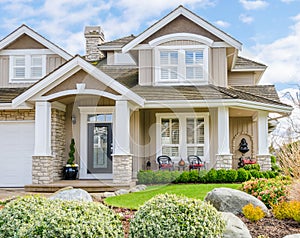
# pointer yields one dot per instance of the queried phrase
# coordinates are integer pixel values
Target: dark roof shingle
(8, 94)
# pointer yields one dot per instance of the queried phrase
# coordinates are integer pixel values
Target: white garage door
(16, 150)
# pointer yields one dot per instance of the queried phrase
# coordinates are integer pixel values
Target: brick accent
(42, 169)
(264, 161)
(224, 162)
(17, 115)
(122, 169)
(58, 142)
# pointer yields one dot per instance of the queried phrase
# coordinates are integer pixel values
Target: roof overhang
(35, 93)
(191, 16)
(28, 31)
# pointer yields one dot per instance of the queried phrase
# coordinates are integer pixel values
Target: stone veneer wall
(58, 142)
(17, 115)
(122, 169)
(224, 162)
(264, 161)
(42, 169)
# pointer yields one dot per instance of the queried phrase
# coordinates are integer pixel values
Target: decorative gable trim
(191, 16)
(28, 31)
(67, 70)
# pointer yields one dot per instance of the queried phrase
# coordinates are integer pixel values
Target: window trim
(182, 117)
(181, 65)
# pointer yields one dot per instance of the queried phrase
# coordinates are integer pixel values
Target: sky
(268, 29)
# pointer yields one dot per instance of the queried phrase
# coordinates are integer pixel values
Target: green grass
(134, 200)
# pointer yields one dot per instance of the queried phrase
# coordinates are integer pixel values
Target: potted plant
(71, 169)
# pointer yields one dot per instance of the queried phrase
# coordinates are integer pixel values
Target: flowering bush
(253, 213)
(176, 216)
(34, 216)
(269, 191)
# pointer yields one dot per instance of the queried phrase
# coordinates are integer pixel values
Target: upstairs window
(181, 65)
(27, 68)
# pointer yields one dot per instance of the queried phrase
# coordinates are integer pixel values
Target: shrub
(242, 175)
(221, 176)
(202, 176)
(252, 166)
(253, 213)
(269, 191)
(211, 176)
(184, 177)
(231, 175)
(294, 191)
(176, 216)
(287, 210)
(34, 216)
(153, 177)
(254, 173)
(194, 176)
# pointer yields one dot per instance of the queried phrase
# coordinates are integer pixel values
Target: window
(27, 68)
(185, 65)
(181, 135)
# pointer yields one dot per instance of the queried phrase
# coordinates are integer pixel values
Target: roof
(118, 42)
(243, 63)
(8, 94)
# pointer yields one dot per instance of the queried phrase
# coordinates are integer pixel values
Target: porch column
(122, 159)
(224, 157)
(263, 155)
(42, 160)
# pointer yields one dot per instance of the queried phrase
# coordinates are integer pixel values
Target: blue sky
(268, 29)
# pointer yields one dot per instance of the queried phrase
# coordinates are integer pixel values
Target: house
(178, 88)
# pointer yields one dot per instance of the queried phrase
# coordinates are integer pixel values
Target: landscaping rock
(121, 191)
(140, 187)
(235, 228)
(231, 200)
(72, 195)
(109, 194)
(292, 236)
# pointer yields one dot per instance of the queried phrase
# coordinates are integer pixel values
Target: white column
(122, 125)
(42, 129)
(223, 131)
(262, 130)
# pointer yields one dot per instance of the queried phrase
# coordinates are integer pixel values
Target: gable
(181, 24)
(81, 77)
(25, 42)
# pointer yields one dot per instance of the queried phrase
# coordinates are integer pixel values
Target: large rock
(232, 200)
(235, 228)
(292, 236)
(72, 195)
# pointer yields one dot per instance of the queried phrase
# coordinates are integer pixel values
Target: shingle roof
(243, 63)
(118, 42)
(8, 94)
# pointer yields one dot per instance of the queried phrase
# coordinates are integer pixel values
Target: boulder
(108, 194)
(232, 200)
(72, 195)
(121, 191)
(235, 228)
(292, 236)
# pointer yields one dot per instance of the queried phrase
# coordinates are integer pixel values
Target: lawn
(134, 200)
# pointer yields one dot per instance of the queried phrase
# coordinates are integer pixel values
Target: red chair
(165, 162)
(195, 162)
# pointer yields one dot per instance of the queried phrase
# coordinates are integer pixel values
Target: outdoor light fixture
(73, 118)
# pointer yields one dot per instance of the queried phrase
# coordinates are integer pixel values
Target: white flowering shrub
(34, 216)
(173, 216)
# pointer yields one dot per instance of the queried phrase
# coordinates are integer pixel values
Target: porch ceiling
(237, 112)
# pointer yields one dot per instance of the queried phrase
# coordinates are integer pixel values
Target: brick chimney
(93, 37)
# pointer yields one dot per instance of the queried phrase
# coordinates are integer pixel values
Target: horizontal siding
(219, 67)
(145, 67)
(241, 79)
(53, 62)
(181, 42)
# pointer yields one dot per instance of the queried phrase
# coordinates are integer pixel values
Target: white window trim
(182, 66)
(182, 133)
(27, 54)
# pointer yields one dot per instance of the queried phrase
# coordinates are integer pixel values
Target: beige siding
(25, 42)
(241, 78)
(145, 67)
(53, 62)
(219, 67)
(110, 58)
(241, 127)
(181, 42)
(213, 136)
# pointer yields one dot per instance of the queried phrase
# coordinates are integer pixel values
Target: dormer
(26, 57)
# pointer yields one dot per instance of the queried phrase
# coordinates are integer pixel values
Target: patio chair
(195, 162)
(165, 163)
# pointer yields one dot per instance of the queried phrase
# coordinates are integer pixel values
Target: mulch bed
(269, 227)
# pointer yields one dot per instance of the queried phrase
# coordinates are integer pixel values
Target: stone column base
(42, 169)
(224, 162)
(122, 169)
(264, 161)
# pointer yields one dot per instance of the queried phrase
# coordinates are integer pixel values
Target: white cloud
(223, 24)
(246, 18)
(288, 1)
(254, 4)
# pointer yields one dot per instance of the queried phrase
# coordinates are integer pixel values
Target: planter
(70, 173)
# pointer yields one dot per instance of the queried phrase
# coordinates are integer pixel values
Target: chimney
(93, 37)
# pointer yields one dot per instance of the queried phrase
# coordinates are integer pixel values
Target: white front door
(16, 150)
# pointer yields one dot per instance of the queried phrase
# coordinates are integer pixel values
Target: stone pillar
(224, 157)
(263, 155)
(122, 159)
(42, 169)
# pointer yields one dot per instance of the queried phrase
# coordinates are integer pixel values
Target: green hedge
(203, 176)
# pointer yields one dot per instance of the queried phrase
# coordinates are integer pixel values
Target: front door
(99, 148)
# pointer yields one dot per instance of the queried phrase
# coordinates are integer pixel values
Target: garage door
(16, 150)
